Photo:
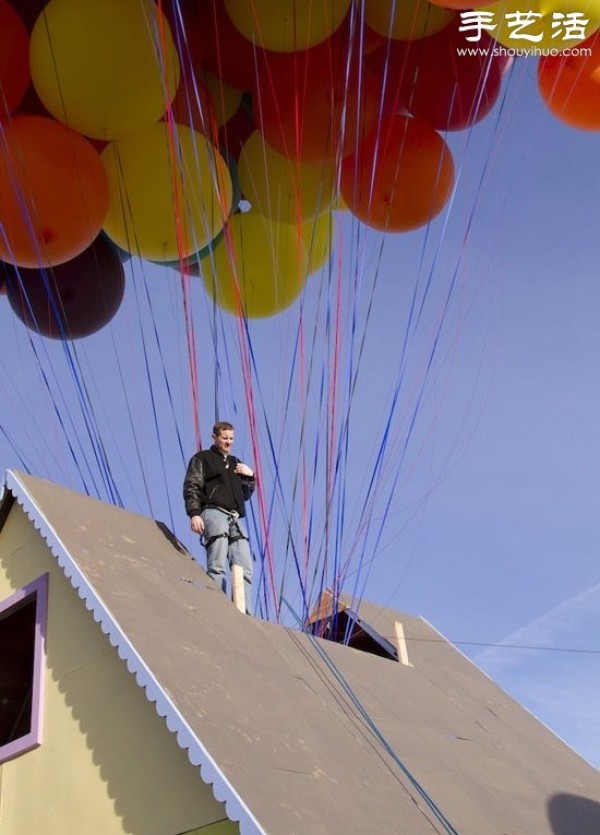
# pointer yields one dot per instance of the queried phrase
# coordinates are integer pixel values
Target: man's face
(224, 441)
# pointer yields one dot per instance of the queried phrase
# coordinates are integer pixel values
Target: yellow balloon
(287, 25)
(169, 197)
(104, 67)
(551, 23)
(283, 189)
(406, 20)
(226, 98)
(260, 267)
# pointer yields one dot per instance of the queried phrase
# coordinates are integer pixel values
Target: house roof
(301, 735)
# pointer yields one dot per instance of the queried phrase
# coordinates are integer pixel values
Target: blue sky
(492, 446)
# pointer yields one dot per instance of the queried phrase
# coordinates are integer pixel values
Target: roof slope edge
(198, 755)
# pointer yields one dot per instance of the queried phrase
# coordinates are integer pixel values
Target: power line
(579, 650)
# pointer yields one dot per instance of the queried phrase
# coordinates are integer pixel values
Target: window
(22, 649)
(345, 627)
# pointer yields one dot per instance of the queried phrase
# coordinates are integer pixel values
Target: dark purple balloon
(70, 301)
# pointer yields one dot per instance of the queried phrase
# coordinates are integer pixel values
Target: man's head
(223, 436)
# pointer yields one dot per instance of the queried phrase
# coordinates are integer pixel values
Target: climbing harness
(234, 534)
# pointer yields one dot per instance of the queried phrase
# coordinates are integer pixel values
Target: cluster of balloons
(135, 127)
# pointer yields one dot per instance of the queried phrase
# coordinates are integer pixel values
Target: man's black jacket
(211, 481)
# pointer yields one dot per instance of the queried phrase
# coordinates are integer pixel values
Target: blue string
(15, 449)
(364, 714)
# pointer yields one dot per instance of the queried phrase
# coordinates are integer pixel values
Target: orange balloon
(401, 177)
(53, 192)
(570, 86)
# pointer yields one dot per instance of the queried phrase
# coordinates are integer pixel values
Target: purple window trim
(39, 587)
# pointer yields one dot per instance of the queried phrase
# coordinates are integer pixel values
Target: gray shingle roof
(300, 735)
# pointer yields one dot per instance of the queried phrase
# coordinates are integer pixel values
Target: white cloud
(561, 689)
(569, 620)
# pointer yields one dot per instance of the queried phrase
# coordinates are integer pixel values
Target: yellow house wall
(107, 763)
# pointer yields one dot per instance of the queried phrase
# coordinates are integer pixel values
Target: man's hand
(197, 524)
(243, 469)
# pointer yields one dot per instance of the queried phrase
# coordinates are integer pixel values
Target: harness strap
(212, 539)
(233, 535)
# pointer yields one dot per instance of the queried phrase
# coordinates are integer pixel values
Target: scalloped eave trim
(211, 774)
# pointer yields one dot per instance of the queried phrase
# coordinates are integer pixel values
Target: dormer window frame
(347, 628)
(37, 591)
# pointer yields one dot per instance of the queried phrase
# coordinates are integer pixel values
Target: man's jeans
(226, 542)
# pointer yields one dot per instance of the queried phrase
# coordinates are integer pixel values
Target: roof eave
(199, 756)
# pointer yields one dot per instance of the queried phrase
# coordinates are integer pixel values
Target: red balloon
(14, 59)
(401, 176)
(371, 40)
(186, 21)
(53, 192)
(224, 50)
(299, 93)
(429, 79)
(319, 103)
(193, 105)
(73, 300)
(570, 85)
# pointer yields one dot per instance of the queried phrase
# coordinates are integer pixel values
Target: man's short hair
(222, 426)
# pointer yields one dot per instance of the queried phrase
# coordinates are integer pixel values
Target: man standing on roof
(215, 488)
